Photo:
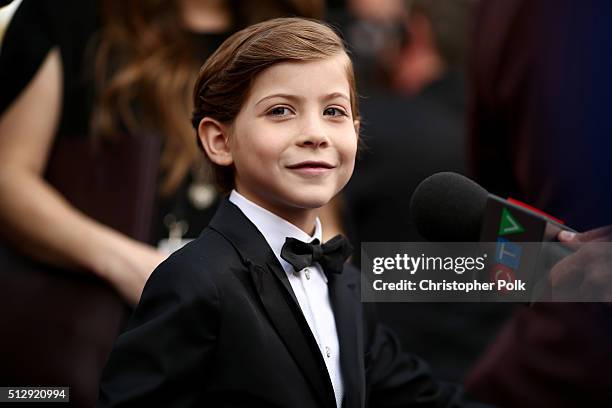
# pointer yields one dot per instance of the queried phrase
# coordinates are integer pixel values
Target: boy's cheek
(349, 150)
(350, 167)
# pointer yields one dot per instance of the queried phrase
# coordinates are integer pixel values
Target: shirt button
(327, 352)
(307, 273)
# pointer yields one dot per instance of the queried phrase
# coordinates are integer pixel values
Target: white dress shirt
(309, 285)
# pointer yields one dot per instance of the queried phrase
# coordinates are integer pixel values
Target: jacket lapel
(277, 297)
(344, 297)
(293, 330)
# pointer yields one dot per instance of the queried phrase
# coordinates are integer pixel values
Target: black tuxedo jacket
(218, 325)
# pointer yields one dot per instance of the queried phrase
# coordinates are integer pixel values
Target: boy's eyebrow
(335, 95)
(332, 95)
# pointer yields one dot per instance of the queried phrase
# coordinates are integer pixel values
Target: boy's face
(294, 141)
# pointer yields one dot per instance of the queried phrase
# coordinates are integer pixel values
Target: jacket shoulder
(200, 264)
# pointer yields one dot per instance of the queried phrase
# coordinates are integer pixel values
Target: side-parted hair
(225, 79)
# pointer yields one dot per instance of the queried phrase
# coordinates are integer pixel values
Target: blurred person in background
(95, 74)
(414, 125)
(540, 132)
(374, 31)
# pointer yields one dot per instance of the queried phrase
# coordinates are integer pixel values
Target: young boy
(256, 312)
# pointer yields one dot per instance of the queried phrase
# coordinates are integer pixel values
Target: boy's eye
(279, 111)
(334, 112)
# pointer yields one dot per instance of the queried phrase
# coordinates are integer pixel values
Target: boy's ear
(214, 137)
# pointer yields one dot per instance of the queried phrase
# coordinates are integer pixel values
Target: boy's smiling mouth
(311, 167)
(311, 164)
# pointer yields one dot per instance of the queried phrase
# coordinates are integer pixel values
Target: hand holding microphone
(587, 273)
(448, 207)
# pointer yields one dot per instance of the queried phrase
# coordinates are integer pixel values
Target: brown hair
(145, 55)
(226, 77)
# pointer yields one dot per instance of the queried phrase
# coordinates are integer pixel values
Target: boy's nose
(313, 135)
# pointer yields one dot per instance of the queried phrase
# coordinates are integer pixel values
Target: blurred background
(100, 177)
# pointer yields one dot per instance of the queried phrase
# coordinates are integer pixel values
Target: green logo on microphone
(508, 225)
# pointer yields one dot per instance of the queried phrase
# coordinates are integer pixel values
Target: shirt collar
(274, 228)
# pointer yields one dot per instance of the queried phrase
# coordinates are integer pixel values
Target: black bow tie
(331, 255)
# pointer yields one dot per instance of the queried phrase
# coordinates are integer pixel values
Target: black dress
(71, 26)
(60, 324)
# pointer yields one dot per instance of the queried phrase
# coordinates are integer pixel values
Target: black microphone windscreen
(448, 207)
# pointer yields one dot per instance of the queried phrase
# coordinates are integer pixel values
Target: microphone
(448, 207)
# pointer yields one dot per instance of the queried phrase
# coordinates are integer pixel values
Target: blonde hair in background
(144, 54)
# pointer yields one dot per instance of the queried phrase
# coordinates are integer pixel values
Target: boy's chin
(312, 200)
(313, 204)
